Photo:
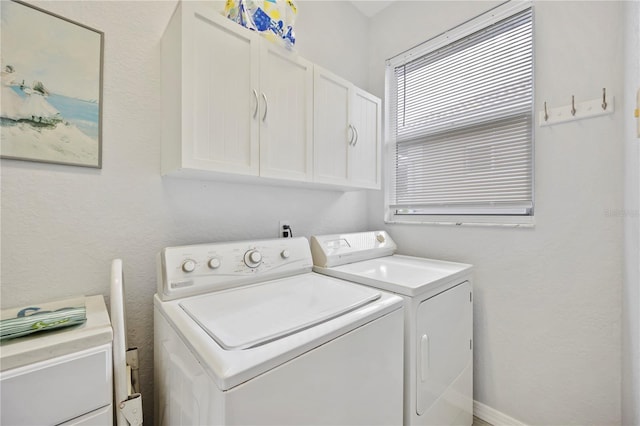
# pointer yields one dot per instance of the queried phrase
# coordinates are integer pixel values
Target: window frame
(465, 29)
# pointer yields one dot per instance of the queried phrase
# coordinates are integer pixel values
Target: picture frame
(51, 81)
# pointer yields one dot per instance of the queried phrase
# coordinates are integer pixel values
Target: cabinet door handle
(355, 141)
(353, 134)
(255, 111)
(424, 357)
(264, 117)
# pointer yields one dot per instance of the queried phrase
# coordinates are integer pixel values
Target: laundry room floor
(480, 422)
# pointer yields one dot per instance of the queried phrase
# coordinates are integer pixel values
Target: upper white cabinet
(235, 104)
(286, 114)
(209, 73)
(364, 158)
(232, 101)
(347, 137)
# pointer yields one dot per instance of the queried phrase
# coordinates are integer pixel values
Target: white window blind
(461, 121)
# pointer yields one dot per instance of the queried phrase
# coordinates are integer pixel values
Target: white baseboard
(495, 417)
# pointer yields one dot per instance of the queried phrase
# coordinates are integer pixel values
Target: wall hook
(546, 114)
(549, 116)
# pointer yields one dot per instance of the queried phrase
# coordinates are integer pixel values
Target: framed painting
(51, 81)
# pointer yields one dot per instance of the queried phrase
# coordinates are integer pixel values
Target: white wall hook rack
(576, 110)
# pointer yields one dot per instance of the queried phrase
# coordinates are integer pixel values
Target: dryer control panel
(340, 249)
(203, 268)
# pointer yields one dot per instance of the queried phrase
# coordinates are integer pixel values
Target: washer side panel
(183, 393)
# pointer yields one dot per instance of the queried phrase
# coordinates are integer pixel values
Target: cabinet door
(220, 95)
(331, 128)
(364, 156)
(59, 389)
(286, 105)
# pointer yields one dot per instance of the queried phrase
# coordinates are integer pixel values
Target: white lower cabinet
(237, 106)
(59, 377)
(70, 388)
(347, 137)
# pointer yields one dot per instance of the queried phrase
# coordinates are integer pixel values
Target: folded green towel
(33, 319)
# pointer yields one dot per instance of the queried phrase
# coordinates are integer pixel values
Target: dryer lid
(406, 275)
(251, 316)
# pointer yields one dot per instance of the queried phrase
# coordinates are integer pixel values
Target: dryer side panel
(444, 356)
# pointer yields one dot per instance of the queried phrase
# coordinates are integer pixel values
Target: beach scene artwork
(51, 88)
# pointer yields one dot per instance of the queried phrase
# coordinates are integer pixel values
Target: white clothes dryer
(438, 371)
(247, 334)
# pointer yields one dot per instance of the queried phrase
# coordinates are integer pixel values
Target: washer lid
(250, 316)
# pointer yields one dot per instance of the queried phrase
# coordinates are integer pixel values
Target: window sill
(478, 221)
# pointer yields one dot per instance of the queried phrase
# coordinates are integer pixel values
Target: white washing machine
(438, 379)
(247, 334)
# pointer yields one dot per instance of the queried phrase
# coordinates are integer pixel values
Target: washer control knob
(380, 238)
(188, 265)
(253, 258)
(285, 254)
(214, 263)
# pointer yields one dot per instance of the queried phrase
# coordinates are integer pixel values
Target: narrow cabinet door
(333, 132)
(220, 95)
(364, 157)
(286, 105)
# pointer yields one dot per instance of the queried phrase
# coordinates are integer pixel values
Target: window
(460, 120)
